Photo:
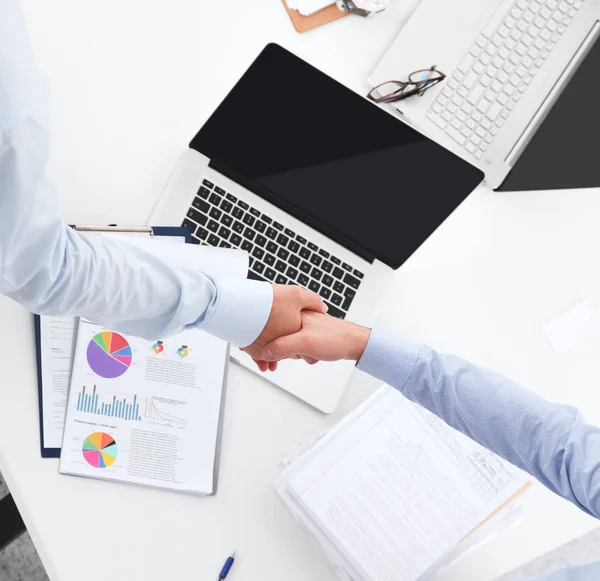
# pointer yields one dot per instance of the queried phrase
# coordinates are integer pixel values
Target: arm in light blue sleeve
(51, 269)
(552, 442)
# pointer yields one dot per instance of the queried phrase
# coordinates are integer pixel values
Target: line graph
(165, 412)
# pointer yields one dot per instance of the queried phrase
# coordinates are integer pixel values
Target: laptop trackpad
(564, 151)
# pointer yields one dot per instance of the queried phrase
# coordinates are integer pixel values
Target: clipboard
(167, 231)
(306, 23)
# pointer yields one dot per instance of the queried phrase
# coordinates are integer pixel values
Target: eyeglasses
(418, 82)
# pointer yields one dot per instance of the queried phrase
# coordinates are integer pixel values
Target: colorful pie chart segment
(100, 450)
(109, 355)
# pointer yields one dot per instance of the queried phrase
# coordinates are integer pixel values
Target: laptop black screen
(332, 159)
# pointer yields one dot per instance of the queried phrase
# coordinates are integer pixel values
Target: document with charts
(145, 412)
(392, 491)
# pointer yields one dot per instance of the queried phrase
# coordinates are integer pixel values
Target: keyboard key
(204, 192)
(238, 227)
(202, 233)
(325, 292)
(260, 241)
(313, 247)
(338, 273)
(197, 216)
(324, 253)
(351, 281)
(335, 260)
(270, 259)
(213, 226)
(208, 184)
(281, 279)
(213, 240)
(338, 287)
(250, 261)
(243, 205)
(227, 220)
(314, 286)
(291, 272)
(219, 190)
(294, 260)
(236, 240)
(316, 273)
(190, 225)
(270, 273)
(335, 312)
(255, 212)
(260, 226)
(224, 233)
(294, 246)
(271, 233)
(327, 266)
(224, 244)
(349, 295)
(283, 240)
(254, 276)
(305, 267)
(231, 198)
(300, 239)
(247, 246)
(327, 280)
(237, 212)
(248, 219)
(226, 206)
(266, 219)
(305, 252)
(283, 254)
(336, 299)
(303, 280)
(358, 273)
(316, 259)
(214, 199)
(258, 252)
(249, 234)
(272, 247)
(280, 266)
(259, 267)
(215, 213)
(278, 226)
(289, 233)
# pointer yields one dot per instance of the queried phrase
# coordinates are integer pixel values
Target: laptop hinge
(293, 210)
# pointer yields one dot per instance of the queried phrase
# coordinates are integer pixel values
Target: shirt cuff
(389, 358)
(243, 308)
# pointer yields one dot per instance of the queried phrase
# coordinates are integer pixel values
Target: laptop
(507, 63)
(322, 188)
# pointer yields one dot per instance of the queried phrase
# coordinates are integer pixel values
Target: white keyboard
(497, 70)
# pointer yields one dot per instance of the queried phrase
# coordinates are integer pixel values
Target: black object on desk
(11, 523)
(564, 152)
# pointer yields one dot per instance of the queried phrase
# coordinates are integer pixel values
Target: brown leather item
(306, 23)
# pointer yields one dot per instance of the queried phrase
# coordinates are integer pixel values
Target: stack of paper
(392, 493)
(308, 7)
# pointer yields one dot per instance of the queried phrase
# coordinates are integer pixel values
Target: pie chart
(100, 450)
(109, 354)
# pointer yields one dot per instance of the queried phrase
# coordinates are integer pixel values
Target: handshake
(300, 328)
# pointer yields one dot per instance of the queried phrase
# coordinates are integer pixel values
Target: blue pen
(228, 564)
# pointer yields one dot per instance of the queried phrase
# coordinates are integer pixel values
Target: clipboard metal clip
(362, 8)
(116, 229)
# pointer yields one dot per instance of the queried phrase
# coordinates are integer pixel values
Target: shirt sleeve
(51, 269)
(550, 441)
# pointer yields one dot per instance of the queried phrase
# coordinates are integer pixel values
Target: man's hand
(285, 318)
(322, 338)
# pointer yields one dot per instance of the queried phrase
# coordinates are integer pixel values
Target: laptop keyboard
(495, 73)
(277, 254)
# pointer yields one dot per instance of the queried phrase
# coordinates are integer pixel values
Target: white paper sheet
(145, 412)
(572, 327)
(396, 489)
(308, 7)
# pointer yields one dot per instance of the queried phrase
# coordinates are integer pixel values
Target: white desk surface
(132, 81)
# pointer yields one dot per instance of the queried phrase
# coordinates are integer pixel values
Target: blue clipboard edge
(55, 452)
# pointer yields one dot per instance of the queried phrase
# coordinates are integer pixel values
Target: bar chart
(89, 403)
